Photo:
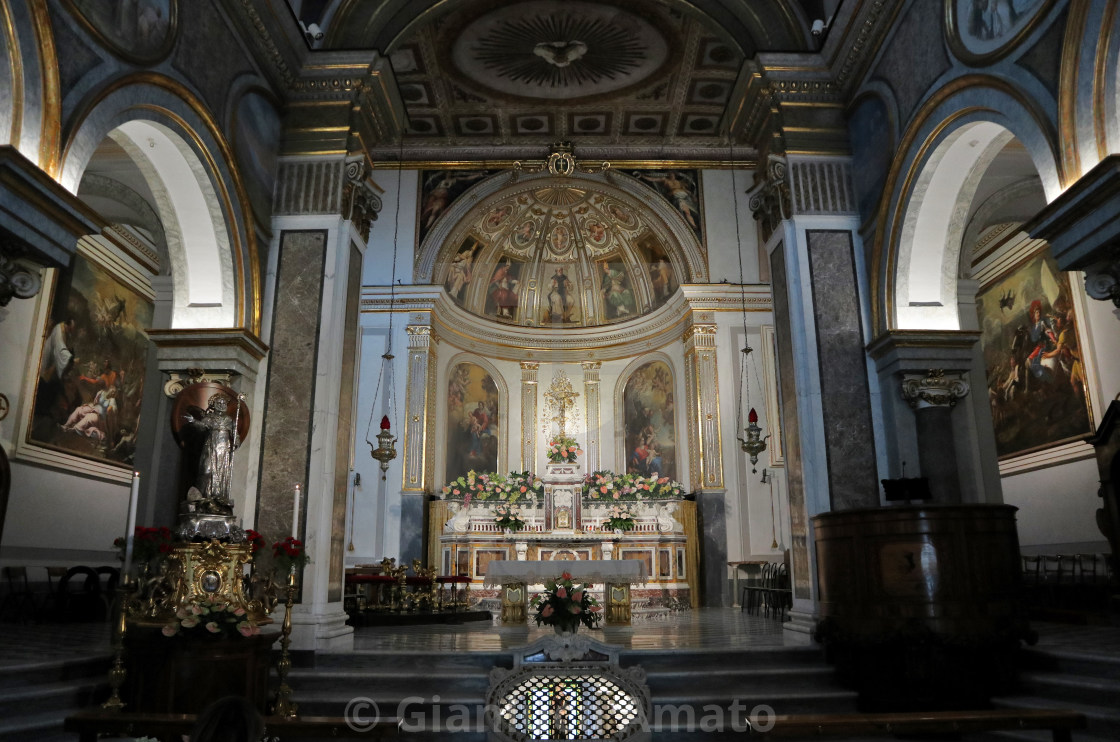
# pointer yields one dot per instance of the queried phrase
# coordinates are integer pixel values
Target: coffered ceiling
(617, 78)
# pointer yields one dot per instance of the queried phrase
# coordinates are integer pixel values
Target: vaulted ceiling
(615, 77)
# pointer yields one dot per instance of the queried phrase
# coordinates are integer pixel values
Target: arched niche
(933, 189)
(183, 156)
(560, 252)
(646, 429)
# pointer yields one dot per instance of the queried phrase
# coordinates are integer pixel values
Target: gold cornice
(882, 285)
(51, 122)
(1068, 90)
(252, 322)
(15, 63)
(1100, 83)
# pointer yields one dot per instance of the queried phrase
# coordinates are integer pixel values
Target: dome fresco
(559, 253)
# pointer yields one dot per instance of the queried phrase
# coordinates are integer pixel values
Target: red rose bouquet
(566, 604)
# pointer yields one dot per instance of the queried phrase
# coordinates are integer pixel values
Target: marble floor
(720, 629)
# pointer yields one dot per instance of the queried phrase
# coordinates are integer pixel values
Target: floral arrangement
(508, 517)
(566, 605)
(606, 485)
(147, 544)
(513, 487)
(563, 449)
(211, 617)
(254, 539)
(289, 554)
(619, 518)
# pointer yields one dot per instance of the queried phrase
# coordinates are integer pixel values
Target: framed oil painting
(472, 421)
(1032, 358)
(91, 370)
(649, 415)
(141, 31)
(982, 31)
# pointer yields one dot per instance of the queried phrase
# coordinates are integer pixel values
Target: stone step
(46, 697)
(1090, 690)
(53, 671)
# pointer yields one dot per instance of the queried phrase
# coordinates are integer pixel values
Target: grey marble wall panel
(791, 430)
(344, 436)
(845, 397)
(291, 381)
(414, 508)
(915, 56)
(712, 514)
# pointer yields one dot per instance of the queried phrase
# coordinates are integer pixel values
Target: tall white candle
(295, 515)
(130, 528)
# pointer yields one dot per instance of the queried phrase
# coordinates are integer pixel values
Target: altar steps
(428, 689)
(35, 697)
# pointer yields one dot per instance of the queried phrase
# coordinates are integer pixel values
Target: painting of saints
(459, 272)
(663, 279)
(681, 189)
(524, 233)
(1035, 368)
(438, 190)
(501, 296)
(497, 216)
(560, 301)
(472, 421)
(650, 429)
(91, 372)
(596, 232)
(561, 239)
(614, 287)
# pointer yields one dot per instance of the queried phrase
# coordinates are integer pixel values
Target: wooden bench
(1060, 722)
(88, 724)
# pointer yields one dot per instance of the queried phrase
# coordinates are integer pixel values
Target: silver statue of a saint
(218, 432)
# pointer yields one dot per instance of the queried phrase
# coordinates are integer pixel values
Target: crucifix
(561, 398)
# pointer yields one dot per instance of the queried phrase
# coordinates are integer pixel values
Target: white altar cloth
(601, 571)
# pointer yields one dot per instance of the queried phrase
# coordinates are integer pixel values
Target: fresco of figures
(681, 188)
(1032, 356)
(650, 430)
(91, 373)
(472, 421)
(438, 190)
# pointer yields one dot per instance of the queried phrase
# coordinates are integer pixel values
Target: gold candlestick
(284, 705)
(118, 672)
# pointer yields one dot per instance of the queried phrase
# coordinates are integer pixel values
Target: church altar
(616, 575)
(567, 525)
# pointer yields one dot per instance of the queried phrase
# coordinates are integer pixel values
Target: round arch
(214, 258)
(920, 221)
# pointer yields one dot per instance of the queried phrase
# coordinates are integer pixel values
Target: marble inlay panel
(291, 380)
(845, 398)
(791, 429)
(344, 437)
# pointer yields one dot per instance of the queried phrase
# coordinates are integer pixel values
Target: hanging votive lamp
(754, 443)
(384, 451)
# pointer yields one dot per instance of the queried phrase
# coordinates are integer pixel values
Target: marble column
(706, 456)
(420, 412)
(591, 446)
(529, 386)
(932, 397)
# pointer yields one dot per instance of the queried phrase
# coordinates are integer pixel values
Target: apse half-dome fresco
(560, 254)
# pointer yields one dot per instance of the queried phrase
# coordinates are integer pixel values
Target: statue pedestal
(562, 489)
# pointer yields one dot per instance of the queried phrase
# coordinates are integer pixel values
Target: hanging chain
(744, 377)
